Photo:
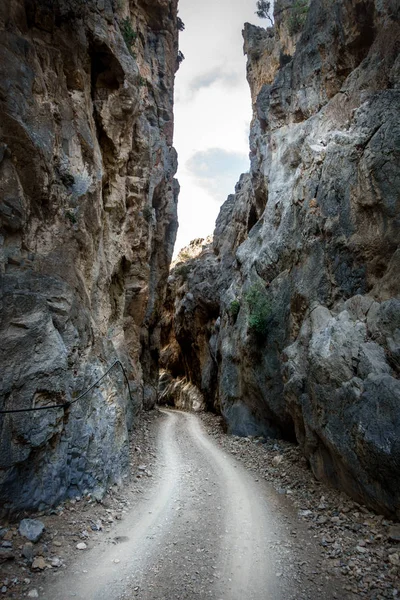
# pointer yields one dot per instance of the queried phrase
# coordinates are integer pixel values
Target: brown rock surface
(88, 223)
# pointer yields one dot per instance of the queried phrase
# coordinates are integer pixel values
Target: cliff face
(88, 223)
(306, 337)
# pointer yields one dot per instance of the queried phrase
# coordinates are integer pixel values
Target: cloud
(217, 170)
(215, 76)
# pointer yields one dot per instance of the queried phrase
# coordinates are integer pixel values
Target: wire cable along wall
(67, 404)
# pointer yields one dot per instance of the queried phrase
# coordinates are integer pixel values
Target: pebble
(276, 461)
(31, 529)
(81, 546)
(39, 564)
(33, 594)
(27, 550)
(96, 525)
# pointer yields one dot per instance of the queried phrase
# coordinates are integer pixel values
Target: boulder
(31, 529)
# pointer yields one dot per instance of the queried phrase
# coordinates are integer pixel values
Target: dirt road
(207, 529)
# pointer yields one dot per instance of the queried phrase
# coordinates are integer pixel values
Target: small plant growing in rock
(180, 24)
(147, 213)
(142, 81)
(260, 313)
(71, 216)
(182, 271)
(298, 16)
(263, 10)
(184, 255)
(128, 34)
(234, 309)
(118, 4)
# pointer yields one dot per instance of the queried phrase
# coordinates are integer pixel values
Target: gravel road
(206, 528)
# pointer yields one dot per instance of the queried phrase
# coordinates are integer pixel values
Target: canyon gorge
(286, 322)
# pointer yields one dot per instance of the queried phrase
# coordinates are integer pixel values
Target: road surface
(207, 529)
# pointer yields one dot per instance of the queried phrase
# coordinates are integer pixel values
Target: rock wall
(305, 317)
(88, 223)
(191, 310)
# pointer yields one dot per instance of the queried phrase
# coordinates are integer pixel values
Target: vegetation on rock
(259, 310)
(182, 271)
(180, 24)
(234, 309)
(128, 34)
(147, 213)
(298, 16)
(263, 10)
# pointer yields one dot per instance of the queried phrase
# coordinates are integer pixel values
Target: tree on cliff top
(263, 10)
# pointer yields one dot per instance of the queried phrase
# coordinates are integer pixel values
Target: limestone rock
(81, 546)
(39, 564)
(88, 222)
(291, 325)
(31, 529)
(27, 551)
(180, 393)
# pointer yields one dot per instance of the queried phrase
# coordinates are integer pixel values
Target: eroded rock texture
(88, 223)
(297, 333)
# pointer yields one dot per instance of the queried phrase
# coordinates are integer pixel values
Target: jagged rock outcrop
(189, 321)
(88, 223)
(306, 253)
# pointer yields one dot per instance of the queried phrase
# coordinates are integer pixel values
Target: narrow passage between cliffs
(206, 529)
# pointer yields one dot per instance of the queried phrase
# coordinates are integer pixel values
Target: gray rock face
(307, 250)
(31, 529)
(87, 227)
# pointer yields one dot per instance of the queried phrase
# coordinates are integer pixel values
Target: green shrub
(234, 309)
(184, 255)
(182, 271)
(128, 34)
(263, 10)
(298, 16)
(259, 310)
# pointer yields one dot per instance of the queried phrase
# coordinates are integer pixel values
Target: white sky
(212, 110)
